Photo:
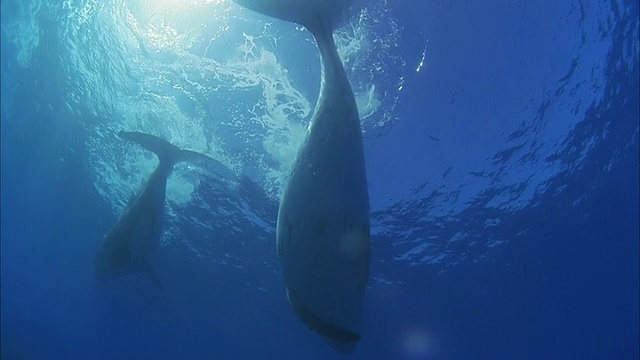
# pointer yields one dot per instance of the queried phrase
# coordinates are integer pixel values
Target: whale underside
(323, 236)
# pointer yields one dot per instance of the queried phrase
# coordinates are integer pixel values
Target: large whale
(322, 236)
(128, 246)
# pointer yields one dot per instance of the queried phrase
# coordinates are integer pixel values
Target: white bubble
(418, 343)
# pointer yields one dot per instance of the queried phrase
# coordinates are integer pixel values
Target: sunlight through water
(499, 139)
(215, 78)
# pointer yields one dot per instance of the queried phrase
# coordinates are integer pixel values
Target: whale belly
(323, 236)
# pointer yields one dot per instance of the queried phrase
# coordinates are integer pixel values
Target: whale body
(128, 246)
(322, 236)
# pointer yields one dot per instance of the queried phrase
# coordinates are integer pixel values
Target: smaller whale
(129, 245)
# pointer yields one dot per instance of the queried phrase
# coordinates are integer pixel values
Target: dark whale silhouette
(128, 246)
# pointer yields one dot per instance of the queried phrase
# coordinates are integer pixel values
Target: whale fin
(308, 13)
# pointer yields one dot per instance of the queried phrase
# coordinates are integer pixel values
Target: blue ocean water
(501, 141)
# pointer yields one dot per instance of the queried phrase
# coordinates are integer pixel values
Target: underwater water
(501, 145)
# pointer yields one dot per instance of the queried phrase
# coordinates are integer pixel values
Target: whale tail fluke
(309, 13)
(170, 154)
(166, 152)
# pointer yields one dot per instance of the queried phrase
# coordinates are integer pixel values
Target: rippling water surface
(501, 141)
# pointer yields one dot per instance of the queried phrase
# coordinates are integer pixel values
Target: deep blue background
(564, 285)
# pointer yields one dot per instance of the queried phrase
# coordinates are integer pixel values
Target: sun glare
(176, 23)
(177, 6)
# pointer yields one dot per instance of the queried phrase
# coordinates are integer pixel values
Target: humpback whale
(128, 246)
(322, 235)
